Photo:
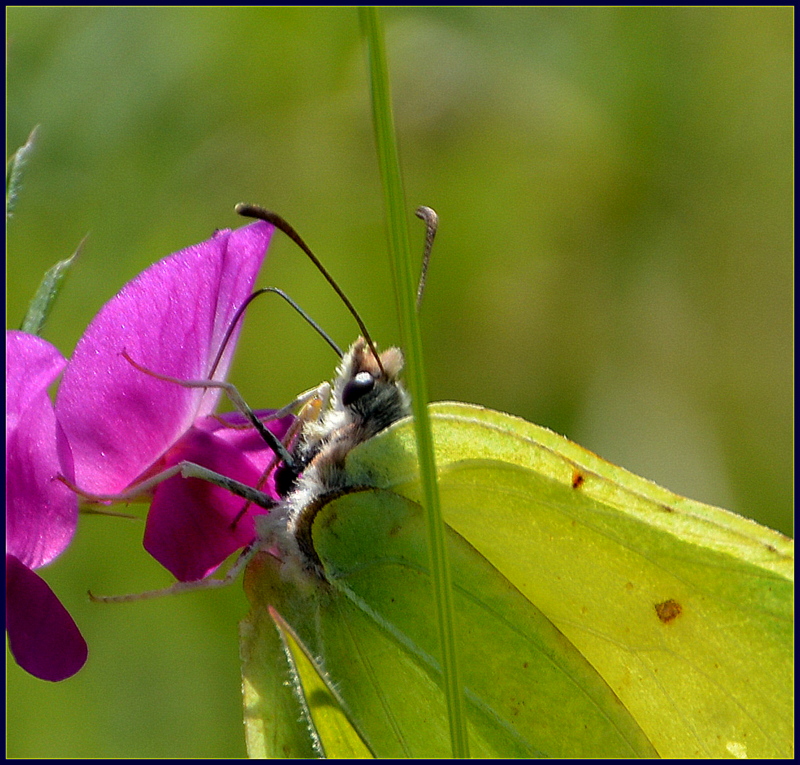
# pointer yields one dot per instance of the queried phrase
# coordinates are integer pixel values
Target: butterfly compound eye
(359, 386)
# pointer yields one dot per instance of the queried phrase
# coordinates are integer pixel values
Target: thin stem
(404, 290)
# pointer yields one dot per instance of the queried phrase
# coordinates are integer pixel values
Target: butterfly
(594, 609)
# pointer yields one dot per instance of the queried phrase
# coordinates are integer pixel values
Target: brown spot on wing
(668, 611)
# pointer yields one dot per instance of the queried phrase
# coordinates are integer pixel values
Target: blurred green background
(615, 189)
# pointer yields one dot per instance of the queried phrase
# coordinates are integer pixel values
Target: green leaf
(48, 290)
(596, 612)
(14, 168)
(44, 299)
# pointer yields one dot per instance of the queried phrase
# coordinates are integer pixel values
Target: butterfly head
(370, 393)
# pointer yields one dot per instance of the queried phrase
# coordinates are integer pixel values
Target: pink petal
(42, 636)
(171, 320)
(41, 513)
(32, 364)
(189, 524)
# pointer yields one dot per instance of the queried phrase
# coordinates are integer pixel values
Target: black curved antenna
(254, 211)
(240, 312)
(431, 225)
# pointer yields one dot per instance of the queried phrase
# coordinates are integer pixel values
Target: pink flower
(125, 425)
(41, 513)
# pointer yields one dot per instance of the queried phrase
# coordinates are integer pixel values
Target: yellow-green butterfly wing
(598, 614)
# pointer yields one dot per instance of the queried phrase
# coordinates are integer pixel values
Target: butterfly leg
(198, 584)
(185, 470)
(236, 399)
